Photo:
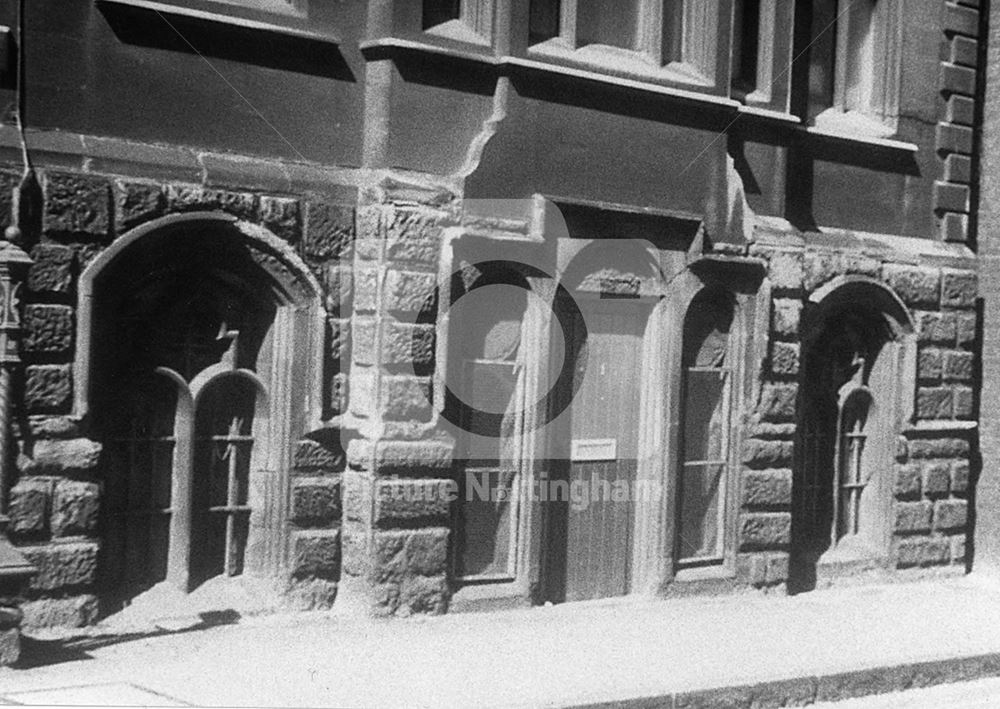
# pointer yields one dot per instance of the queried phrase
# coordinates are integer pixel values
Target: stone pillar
(15, 570)
(396, 487)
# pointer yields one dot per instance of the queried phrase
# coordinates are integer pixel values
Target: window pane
(490, 387)
(705, 415)
(602, 22)
(543, 22)
(486, 523)
(746, 36)
(822, 51)
(700, 495)
(437, 12)
(860, 61)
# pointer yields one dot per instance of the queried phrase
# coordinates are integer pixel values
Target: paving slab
(745, 650)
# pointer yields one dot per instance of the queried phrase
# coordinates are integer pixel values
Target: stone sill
(294, 28)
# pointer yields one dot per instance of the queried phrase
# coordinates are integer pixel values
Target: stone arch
(856, 393)
(199, 298)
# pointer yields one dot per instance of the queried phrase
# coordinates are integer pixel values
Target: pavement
(735, 651)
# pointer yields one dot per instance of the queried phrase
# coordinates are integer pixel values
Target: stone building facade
(734, 259)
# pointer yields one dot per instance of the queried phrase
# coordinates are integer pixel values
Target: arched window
(705, 426)
(486, 325)
(853, 474)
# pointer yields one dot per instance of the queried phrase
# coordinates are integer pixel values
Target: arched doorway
(201, 365)
(855, 392)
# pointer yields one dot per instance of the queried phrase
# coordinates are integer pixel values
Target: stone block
(407, 500)
(908, 480)
(957, 548)
(950, 514)
(934, 403)
(340, 340)
(923, 551)
(765, 530)
(181, 198)
(423, 252)
(310, 594)
(936, 327)
(964, 51)
(959, 477)
(48, 388)
(423, 595)
(365, 350)
(785, 317)
(939, 448)
(357, 497)
(965, 328)
(936, 478)
(362, 391)
(280, 215)
(767, 488)
(913, 517)
(313, 457)
(785, 358)
(73, 457)
(10, 646)
(964, 402)
(316, 500)
(958, 366)
(962, 20)
(954, 226)
(413, 456)
(62, 565)
(337, 394)
(821, 266)
(316, 553)
(951, 138)
(75, 507)
(76, 204)
(365, 289)
(758, 453)
(785, 270)
(949, 197)
(8, 183)
(958, 168)
(329, 230)
(338, 280)
(408, 344)
(777, 402)
(415, 224)
(410, 292)
(136, 202)
(958, 289)
(400, 554)
(48, 328)
(961, 110)
(930, 363)
(406, 398)
(52, 269)
(915, 285)
(72, 612)
(29, 506)
(776, 568)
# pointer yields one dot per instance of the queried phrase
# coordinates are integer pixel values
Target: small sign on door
(584, 450)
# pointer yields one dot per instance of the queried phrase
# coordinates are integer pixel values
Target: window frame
(775, 29)
(725, 460)
(879, 117)
(696, 64)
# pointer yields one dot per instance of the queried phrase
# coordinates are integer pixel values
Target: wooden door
(603, 447)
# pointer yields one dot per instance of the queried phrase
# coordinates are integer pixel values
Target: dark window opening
(614, 24)
(746, 44)
(543, 20)
(437, 12)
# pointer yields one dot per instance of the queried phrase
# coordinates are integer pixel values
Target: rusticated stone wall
(931, 478)
(55, 500)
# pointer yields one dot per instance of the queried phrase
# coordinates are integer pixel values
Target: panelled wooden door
(604, 446)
